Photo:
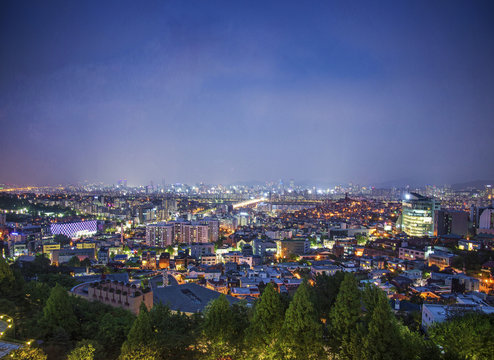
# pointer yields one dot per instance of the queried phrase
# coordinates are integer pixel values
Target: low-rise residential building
(440, 259)
(64, 255)
(324, 270)
(411, 253)
(436, 313)
(116, 294)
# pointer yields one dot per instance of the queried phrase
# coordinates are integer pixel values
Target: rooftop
(188, 298)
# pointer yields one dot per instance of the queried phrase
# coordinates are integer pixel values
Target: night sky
(221, 92)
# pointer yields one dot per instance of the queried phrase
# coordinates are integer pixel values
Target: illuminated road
(235, 206)
(248, 202)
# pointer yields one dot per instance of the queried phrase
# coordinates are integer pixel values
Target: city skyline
(221, 93)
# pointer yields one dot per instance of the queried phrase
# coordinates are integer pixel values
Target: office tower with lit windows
(417, 218)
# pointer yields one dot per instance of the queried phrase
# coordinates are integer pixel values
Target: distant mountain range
(476, 184)
(398, 183)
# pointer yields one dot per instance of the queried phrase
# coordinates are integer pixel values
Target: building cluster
(192, 248)
(182, 232)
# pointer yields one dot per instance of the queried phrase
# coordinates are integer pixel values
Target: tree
(141, 333)
(40, 265)
(345, 317)
(370, 299)
(240, 323)
(218, 328)
(382, 341)
(140, 353)
(7, 278)
(415, 346)
(466, 337)
(175, 333)
(62, 239)
(113, 330)
(58, 313)
(325, 290)
(267, 322)
(301, 333)
(74, 262)
(28, 353)
(85, 350)
(361, 239)
(219, 243)
(86, 263)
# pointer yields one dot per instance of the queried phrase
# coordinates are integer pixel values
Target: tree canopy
(466, 337)
(58, 313)
(301, 335)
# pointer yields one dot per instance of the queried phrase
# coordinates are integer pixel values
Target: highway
(248, 202)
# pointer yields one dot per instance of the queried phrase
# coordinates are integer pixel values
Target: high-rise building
(195, 234)
(214, 227)
(486, 221)
(451, 222)
(417, 218)
(161, 235)
(482, 219)
(285, 248)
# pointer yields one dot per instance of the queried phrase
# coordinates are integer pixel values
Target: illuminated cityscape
(242, 181)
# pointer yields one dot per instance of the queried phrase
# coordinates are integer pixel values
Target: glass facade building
(417, 218)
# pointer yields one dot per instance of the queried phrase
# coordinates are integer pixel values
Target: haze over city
(222, 92)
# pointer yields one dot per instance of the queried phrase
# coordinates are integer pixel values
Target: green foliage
(141, 333)
(415, 346)
(325, 290)
(74, 262)
(301, 333)
(370, 299)
(40, 265)
(62, 239)
(7, 279)
(175, 334)
(113, 329)
(471, 260)
(86, 262)
(64, 280)
(58, 313)
(222, 335)
(361, 239)
(383, 339)
(85, 350)
(218, 243)
(6, 306)
(240, 324)
(267, 322)
(466, 337)
(345, 316)
(140, 353)
(28, 353)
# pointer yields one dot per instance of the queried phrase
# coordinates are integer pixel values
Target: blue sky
(258, 90)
